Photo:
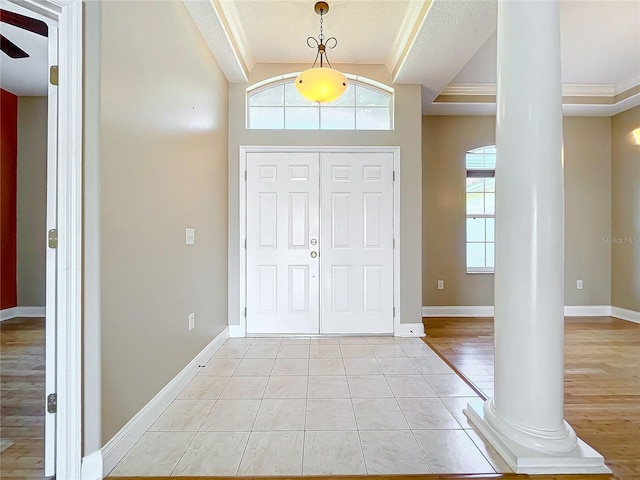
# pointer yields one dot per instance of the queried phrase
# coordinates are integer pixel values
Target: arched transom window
(278, 105)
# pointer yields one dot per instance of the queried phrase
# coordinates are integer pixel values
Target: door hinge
(394, 312)
(53, 238)
(53, 75)
(245, 312)
(394, 175)
(52, 403)
(245, 175)
(394, 243)
(245, 243)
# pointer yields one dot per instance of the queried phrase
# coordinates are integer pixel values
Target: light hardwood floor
(22, 398)
(602, 378)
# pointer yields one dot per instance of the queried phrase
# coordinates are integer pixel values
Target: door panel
(282, 218)
(357, 243)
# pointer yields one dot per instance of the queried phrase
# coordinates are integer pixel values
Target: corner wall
(32, 201)
(625, 204)
(162, 167)
(8, 198)
(587, 157)
(406, 134)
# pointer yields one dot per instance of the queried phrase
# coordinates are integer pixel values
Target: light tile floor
(316, 406)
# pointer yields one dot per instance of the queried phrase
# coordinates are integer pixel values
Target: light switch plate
(579, 284)
(190, 236)
(440, 284)
(192, 321)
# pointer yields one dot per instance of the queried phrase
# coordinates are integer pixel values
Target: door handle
(314, 254)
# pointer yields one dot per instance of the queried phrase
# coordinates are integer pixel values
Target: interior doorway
(320, 241)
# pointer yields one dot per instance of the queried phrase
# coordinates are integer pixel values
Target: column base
(583, 459)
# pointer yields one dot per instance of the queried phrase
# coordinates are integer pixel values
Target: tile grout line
(355, 418)
(424, 457)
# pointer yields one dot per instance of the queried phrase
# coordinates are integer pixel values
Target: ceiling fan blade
(11, 49)
(27, 23)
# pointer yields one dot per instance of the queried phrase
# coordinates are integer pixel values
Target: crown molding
(568, 89)
(413, 18)
(230, 15)
(626, 84)
(215, 30)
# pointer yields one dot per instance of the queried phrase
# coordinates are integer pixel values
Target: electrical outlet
(192, 321)
(190, 236)
(579, 284)
(440, 284)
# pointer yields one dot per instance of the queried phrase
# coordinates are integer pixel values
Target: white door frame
(241, 329)
(68, 15)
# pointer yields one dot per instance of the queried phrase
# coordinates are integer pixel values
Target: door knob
(313, 241)
(314, 254)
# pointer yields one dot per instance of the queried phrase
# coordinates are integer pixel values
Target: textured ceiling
(271, 31)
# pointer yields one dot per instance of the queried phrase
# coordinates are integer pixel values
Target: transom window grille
(280, 106)
(481, 201)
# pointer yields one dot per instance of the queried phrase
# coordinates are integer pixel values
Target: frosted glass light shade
(321, 84)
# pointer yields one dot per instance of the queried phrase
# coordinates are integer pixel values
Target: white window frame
(478, 173)
(353, 79)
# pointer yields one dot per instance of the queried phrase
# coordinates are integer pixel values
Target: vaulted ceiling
(447, 46)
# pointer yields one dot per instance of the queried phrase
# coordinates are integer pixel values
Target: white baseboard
(237, 331)
(569, 311)
(409, 330)
(92, 466)
(459, 311)
(624, 314)
(587, 311)
(16, 312)
(121, 443)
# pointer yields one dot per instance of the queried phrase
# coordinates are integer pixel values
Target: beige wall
(407, 135)
(32, 201)
(163, 167)
(625, 203)
(587, 204)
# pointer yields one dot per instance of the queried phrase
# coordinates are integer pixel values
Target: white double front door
(319, 242)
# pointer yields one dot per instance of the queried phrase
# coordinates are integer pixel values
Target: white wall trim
(569, 311)
(240, 330)
(68, 449)
(116, 448)
(587, 311)
(15, 312)
(458, 311)
(409, 330)
(624, 314)
(92, 466)
(236, 331)
(568, 89)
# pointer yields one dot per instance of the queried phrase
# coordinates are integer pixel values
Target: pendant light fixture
(323, 83)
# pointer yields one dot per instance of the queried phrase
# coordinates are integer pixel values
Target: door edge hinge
(394, 175)
(53, 75)
(52, 403)
(394, 312)
(394, 243)
(53, 238)
(245, 175)
(245, 243)
(245, 312)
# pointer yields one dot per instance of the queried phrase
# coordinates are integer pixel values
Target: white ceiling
(24, 76)
(440, 44)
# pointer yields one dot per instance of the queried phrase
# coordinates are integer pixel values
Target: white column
(524, 420)
(529, 268)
